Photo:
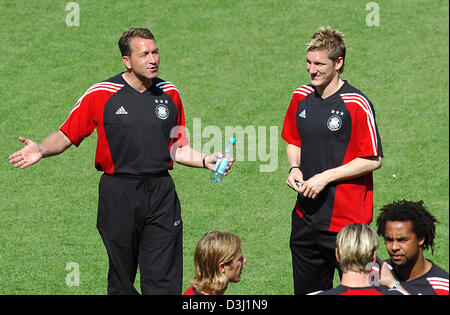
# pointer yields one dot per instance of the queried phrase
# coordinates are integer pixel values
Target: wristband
(203, 160)
(396, 285)
(293, 167)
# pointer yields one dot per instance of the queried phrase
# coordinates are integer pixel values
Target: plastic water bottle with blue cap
(221, 165)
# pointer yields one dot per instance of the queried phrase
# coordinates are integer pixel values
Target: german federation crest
(162, 111)
(334, 123)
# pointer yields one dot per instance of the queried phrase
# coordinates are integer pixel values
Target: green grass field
(235, 63)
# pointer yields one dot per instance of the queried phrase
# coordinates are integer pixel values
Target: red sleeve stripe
(304, 90)
(104, 86)
(166, 86)
(438, 283)
(361, 101)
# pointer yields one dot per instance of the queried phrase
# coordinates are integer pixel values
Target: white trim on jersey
(166, 86)
(106, 85)
(103, 86)
(304, 90)
(438, 283)
(362, 102)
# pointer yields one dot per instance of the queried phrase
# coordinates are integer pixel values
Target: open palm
(28, 155)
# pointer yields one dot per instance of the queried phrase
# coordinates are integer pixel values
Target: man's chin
(399, 262)
(151, 75)
(147, 76)
(316, 84)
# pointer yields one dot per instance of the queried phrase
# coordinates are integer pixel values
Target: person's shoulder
(340, 289)
(349, 92)
(437, 277)
(387, 291)
(349, 88)
(189, 291)
(117, 79)
(320, 292)
(165, 85)
(102, 90)
(112, 84)
(438, 271)
(192, 291)
(304, 90)
(435, 281)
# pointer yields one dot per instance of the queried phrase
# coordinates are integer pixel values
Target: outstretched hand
(28, 155)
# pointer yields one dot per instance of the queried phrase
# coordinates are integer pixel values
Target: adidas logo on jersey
(121, 111)
(302, 114)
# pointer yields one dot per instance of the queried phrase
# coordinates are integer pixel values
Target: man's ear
(339, 63)
(421, 241)
(222, 267)
(126, 62)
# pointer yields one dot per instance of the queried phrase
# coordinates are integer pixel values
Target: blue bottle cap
(233, 140)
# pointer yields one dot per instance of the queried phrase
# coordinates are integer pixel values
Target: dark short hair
(124, 41)
(422, 220)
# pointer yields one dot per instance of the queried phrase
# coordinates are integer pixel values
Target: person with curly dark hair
(408, 230)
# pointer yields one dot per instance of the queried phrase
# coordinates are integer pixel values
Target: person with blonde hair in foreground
(356, 246)
(218, 260)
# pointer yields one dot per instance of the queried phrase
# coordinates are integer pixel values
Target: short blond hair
(212, 249)
(355, 244)
(329, 40)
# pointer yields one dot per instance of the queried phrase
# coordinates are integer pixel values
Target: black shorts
(139, 220)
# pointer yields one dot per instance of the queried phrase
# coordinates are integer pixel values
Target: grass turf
(235, 63)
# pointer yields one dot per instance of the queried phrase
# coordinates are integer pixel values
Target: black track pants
(313, 257)
(140, 223)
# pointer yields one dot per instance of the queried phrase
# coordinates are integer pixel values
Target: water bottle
(222, 164)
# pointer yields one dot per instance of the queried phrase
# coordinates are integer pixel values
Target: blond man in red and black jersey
(333, 147)
(140, 124)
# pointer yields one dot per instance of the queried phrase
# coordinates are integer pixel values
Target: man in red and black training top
(333, 147)
(140, 124)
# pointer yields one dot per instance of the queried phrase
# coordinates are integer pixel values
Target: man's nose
(395, 246)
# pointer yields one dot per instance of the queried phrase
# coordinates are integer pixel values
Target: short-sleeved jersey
(344, 290)
(332, 132)
(434, 282)
(136, 131)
